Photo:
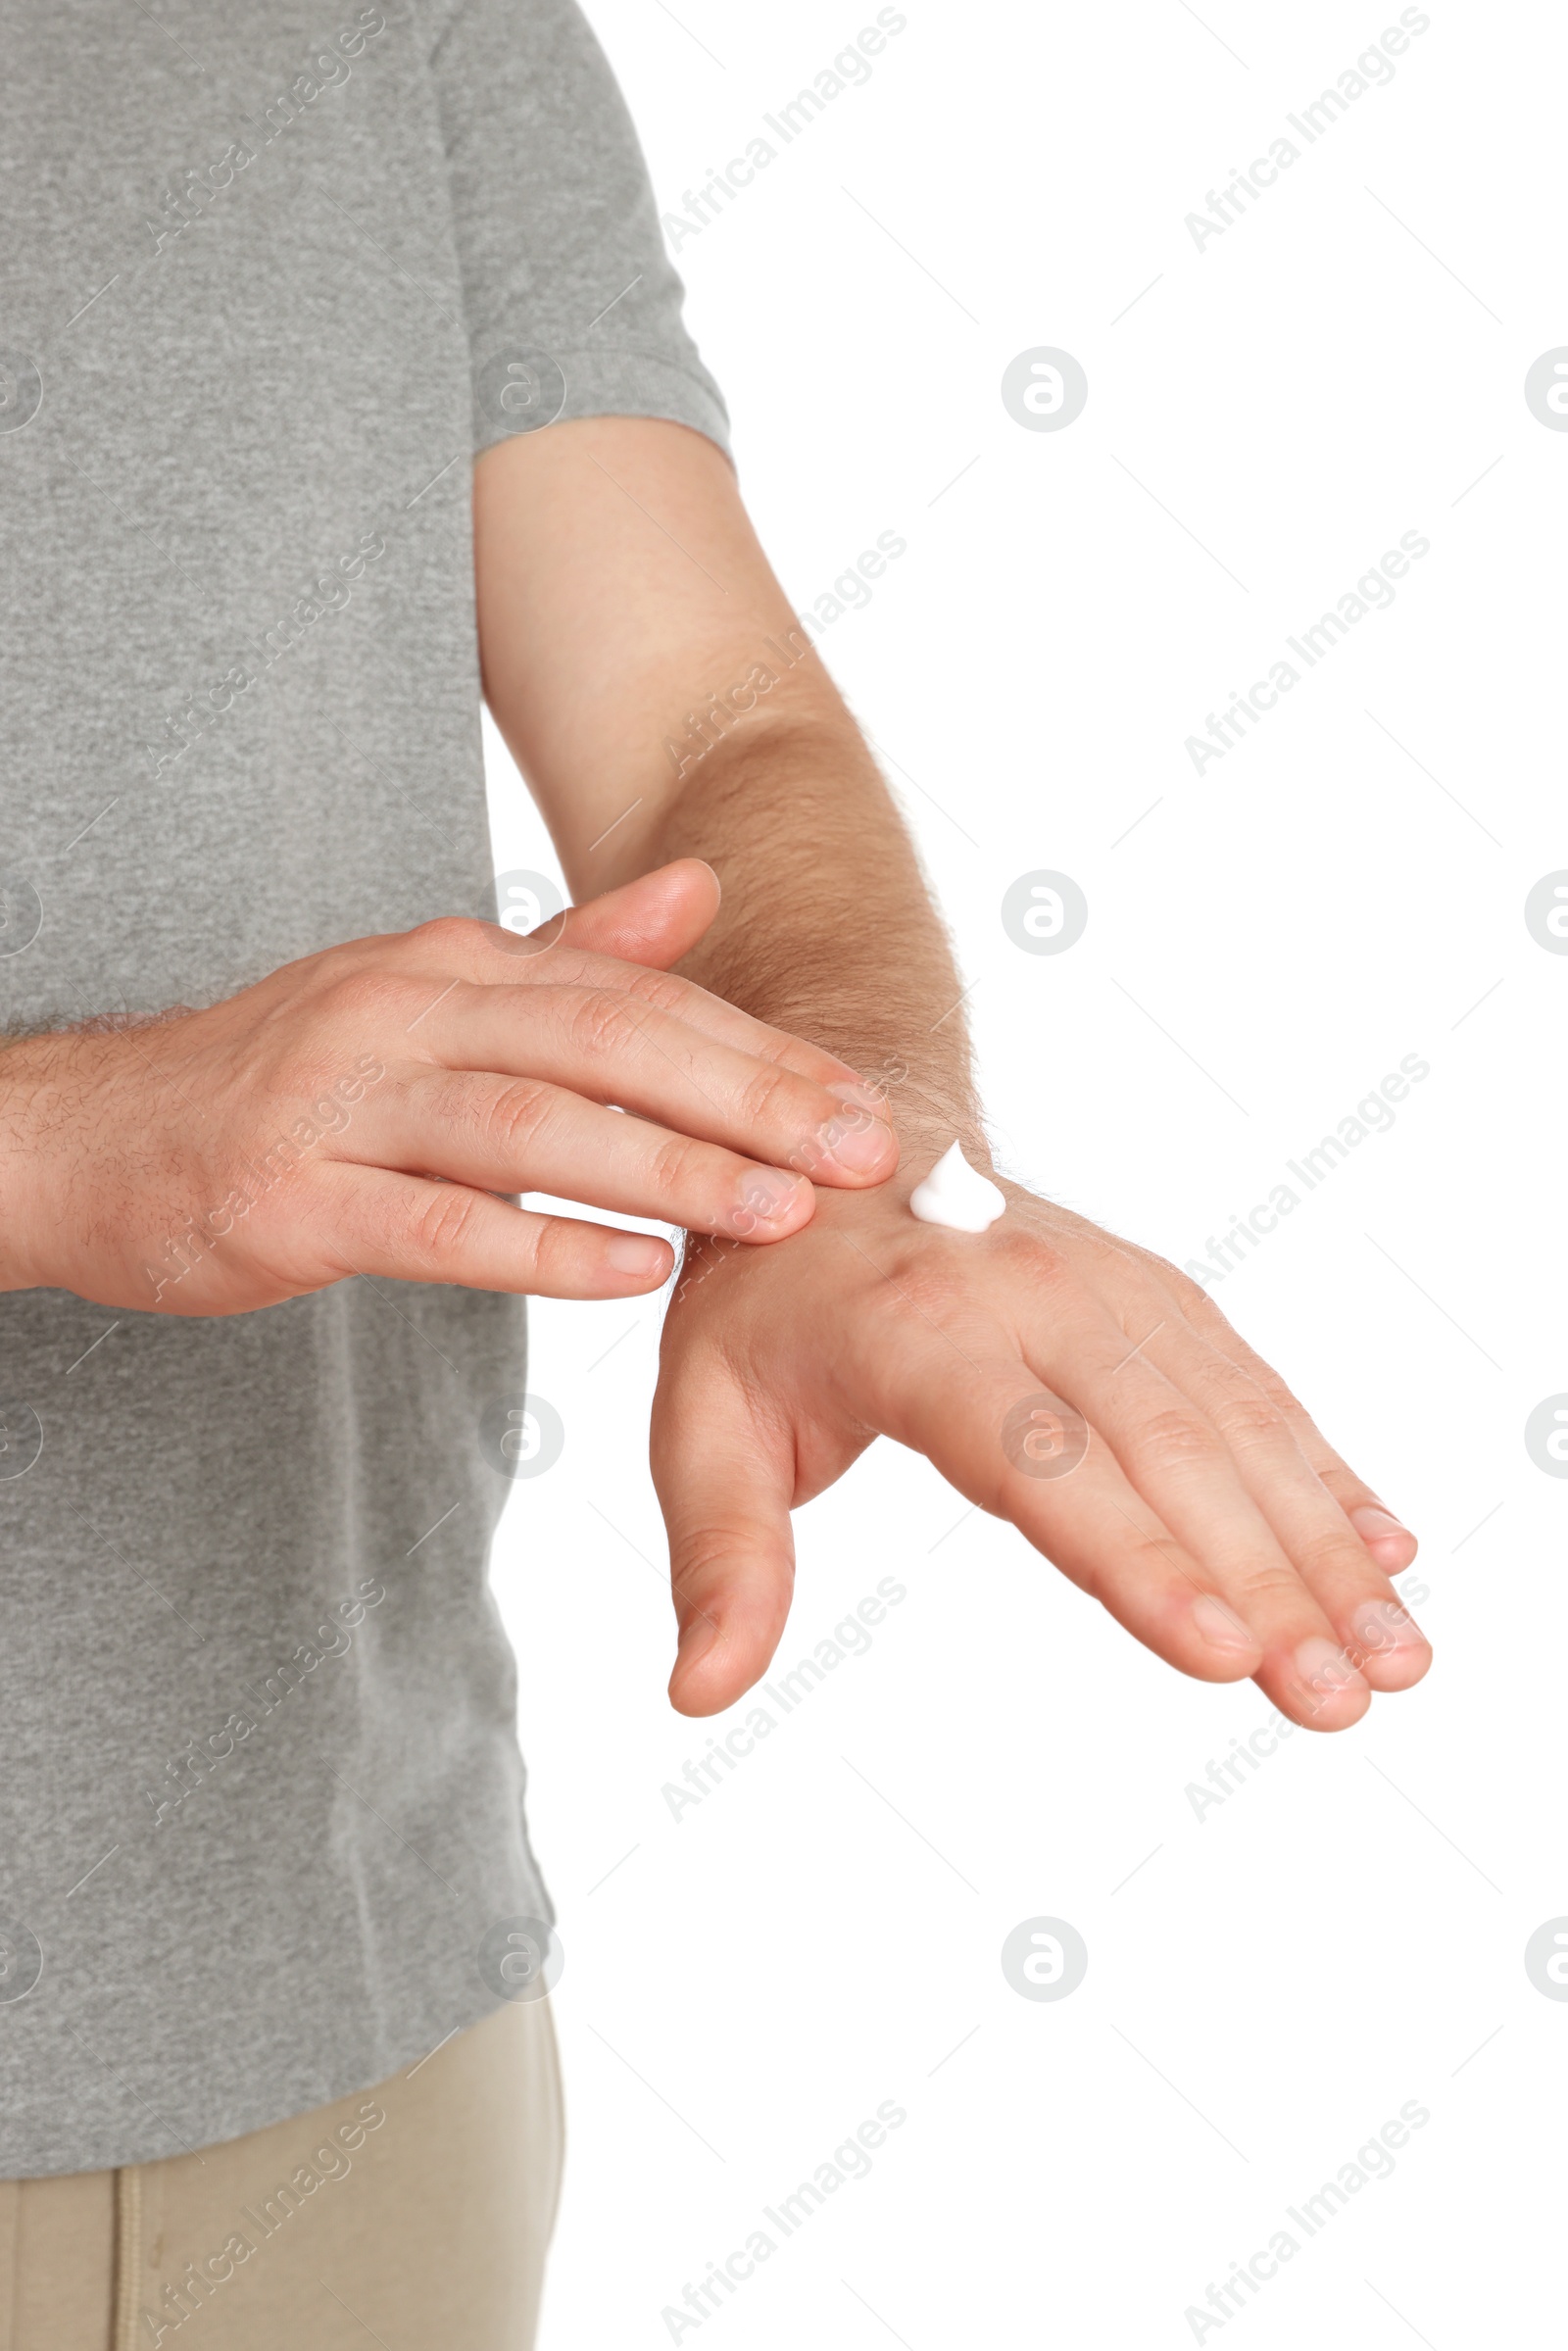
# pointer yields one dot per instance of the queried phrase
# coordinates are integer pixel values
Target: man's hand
(360, 1111)
(1060, 1378)
(659, 694)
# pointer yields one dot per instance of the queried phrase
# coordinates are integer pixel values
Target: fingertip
(1386, 1539)
(1203, 1664)
(636, 1262)
(702, 867)
(858, 1145)
(772, 1204)
(732, 1604)
(653, 920)
(693, 1700)
(1321, 1690)
(1399, 1669)
(1389, 1645)
(692, 884)
(705, 1677)
(1229, 1651)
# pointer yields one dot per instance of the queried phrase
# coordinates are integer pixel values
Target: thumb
(724, 1478)
(653, 920)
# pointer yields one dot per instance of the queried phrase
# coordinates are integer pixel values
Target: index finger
(463, 947)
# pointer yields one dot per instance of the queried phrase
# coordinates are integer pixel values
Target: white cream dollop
(958, 1196)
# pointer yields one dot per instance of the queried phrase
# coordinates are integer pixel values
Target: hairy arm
(616, 553)
(638, 656)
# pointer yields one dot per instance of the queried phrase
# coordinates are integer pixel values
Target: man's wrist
(929, 1117)
(20, 1179)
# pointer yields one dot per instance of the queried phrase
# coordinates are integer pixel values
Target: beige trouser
(415, 2214)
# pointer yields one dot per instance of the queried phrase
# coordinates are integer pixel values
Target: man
(342, 357)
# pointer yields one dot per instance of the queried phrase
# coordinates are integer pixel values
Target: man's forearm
(622, 591)
(826, 927)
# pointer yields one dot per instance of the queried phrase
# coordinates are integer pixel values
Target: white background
(1345, 1933)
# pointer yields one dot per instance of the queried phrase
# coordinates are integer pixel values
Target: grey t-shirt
(272, 273)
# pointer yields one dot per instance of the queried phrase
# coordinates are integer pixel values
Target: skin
(750, 1097)
(359, 1111)
(621, 586)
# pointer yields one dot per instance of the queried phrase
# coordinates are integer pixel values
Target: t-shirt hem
(149, 2143)
(622, 383)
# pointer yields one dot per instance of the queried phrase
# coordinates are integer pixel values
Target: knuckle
(329, 964)
(1249, 1423)
(441, 1224)
(1149, 1262)
(1271, 1584)
(558, 1249)
(452, 937)
(518, 1114)
(1119, 1260)
(708, 1559)
(1172, 1440)
(769, 1098)
(373, 995)
(658, 989)
(1328, 1549)
(1273, 1389)
(1195, 1301)
(710, 1570)
(1138, 1563)
(601, 1022)
(675, 1168)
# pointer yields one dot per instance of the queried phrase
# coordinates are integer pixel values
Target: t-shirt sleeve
(573, 306)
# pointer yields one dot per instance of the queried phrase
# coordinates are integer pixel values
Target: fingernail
(1384, 1626)
(1373, 1522)
(635, 1253)
(867, 1144)
(1219, 1627)
(1326, 1671)
(764, 1200)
